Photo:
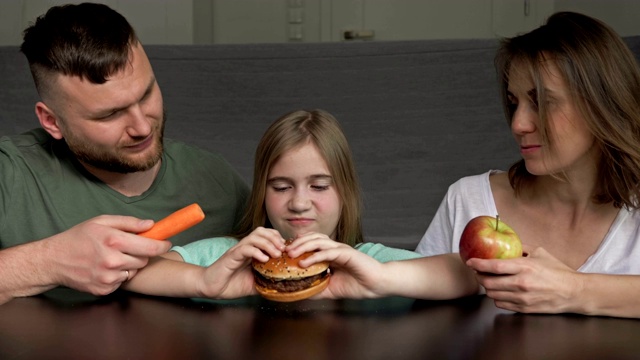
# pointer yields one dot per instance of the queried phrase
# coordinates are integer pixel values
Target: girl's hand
(353, 274)
(230, 276)
(538, 283)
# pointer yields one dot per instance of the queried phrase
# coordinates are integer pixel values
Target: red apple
(487, 237)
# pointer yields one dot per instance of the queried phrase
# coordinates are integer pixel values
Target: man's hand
(95, 256)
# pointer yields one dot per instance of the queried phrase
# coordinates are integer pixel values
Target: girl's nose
(300, 201)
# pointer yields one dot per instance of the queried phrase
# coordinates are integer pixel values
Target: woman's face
(571, 143)
(301, 196)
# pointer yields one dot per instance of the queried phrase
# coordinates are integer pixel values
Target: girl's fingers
(268, 241)
(311, 245)
(326, 255)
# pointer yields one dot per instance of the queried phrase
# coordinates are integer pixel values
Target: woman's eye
(512, 103)
(533, 99)
(320, 187)
(534, 104)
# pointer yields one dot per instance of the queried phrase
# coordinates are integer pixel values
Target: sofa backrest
(418, 114)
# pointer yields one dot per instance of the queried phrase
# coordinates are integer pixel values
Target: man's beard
(111, 161)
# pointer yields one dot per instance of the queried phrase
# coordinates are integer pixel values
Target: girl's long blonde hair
(293, 130)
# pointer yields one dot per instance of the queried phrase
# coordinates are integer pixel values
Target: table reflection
(124, 325)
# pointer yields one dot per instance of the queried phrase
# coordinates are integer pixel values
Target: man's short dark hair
(88, 40)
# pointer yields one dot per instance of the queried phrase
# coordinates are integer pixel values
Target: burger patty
(286, 285)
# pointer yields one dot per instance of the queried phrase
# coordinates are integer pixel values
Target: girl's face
(301, 196)
(571, 143)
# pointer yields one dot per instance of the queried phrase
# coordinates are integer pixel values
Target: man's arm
(95, 256)
(22, 273)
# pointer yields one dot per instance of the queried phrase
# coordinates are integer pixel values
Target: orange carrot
(175, 223)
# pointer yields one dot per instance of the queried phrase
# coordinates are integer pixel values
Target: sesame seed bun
(282, 279)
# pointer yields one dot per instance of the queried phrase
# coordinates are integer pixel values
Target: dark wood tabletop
(64, 324)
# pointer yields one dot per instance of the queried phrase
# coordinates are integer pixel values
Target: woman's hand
(538, 283)
(230, 276)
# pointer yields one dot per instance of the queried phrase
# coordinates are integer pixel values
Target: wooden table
(66, 325)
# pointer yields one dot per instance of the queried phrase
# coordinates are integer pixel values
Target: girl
(304, 187)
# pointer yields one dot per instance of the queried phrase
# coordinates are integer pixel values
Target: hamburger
(281, 279)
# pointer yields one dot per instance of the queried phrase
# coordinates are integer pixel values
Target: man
(74, 192)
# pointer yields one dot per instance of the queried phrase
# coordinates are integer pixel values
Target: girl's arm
(226, 278)
(357, 275)
(438, 277)
(168, 275)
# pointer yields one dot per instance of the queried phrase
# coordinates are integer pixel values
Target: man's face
(116, 126)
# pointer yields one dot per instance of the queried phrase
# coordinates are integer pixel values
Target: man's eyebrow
(150, 86)
(106, 111)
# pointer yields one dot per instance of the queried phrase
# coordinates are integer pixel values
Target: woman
(304, 187)
(571, 91)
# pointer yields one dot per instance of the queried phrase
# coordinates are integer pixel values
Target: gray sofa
(418, 114)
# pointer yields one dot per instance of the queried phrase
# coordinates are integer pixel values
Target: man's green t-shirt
(44, 190)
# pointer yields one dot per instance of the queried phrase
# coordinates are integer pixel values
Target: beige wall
(156, 21)
(263, 21)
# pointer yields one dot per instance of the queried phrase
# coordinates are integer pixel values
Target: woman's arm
(540, 283)
(609, 295)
